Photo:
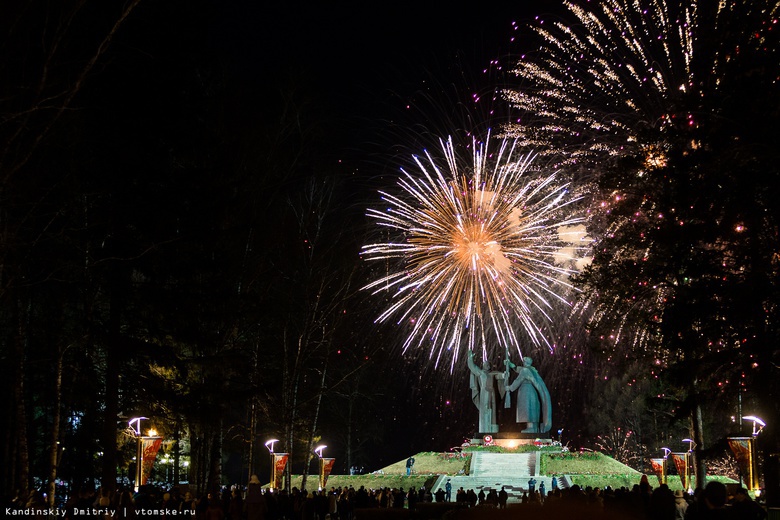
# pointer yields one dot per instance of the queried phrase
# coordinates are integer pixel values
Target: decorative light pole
(667, 451)
(758, 424)
(278, 463)
(146, 450)
(689, 462)
(269, 444)
(135, 426)
(659, 466)
(744, 449)
(326, 465)
(318, 450)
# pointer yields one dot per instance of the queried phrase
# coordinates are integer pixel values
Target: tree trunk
(22, 453)
(54, 449)
(314, 424)
(215, 460)
(176, 452)
(252, 426)
(290, 434)
(697, 428)
(113, 366)
(350, 413)
(198, 451)
(290, 402)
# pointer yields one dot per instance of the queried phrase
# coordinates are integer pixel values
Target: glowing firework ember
(476, 254)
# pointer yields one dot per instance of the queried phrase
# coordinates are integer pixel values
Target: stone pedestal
(512, 439)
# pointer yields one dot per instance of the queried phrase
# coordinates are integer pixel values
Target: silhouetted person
(255, 503)
(745, 507)
(503, 496)
(711, 504)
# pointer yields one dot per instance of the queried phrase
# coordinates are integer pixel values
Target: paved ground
(493, 470)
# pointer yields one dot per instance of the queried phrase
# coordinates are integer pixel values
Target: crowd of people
(347, 503)
(641, 502)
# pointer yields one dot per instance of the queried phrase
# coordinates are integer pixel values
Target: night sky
(190, 92)
(188, 195)
(387, 81)
(369, 64)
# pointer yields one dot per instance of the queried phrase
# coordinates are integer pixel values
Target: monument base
(512, 439)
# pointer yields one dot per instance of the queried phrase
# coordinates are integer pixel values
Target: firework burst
(629, 75)
(637, 96)
(477, 252)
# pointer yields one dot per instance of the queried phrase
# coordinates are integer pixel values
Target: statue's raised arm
(507, 393)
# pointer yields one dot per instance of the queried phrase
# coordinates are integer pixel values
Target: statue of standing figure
(483, 393)
(533, 399)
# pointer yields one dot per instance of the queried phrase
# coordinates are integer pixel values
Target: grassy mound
(589, 469)
(598, 470)
(372, 481)
(583, 463)
(582, 468)
(432, 463)
(427, 468)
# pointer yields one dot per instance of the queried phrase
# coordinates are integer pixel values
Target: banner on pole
(659, 469)
(149, 448)
(743, 449)
(280, 462)
(326, 466)
(681, 463)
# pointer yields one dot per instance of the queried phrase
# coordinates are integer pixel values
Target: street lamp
(137, 422)
(318, 450)
(665, 463)
(135, 425)
(146, 445)
(321, 463)
(744, 449)
(688, 462)
(269, 444)
(757, 423)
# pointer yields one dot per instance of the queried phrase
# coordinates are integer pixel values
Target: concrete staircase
(494, 470)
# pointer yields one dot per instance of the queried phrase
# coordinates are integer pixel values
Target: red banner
(326, 466)
(149, 448)
(743, 451)
(280, 462)
(659, 468)
(681, 463)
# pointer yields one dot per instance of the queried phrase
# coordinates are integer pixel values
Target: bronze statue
(534, 408)
(483, 393)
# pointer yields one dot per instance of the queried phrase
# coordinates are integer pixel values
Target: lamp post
(135, 426)
(269, 444)
(758, 424)
(659, 466)
(146, 448)
(752, 460)
(665, 461)
(318, 450)
(688, 462)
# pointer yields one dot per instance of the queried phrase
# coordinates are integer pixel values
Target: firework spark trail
(476, 252)
(595, 84)
(636, 78)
